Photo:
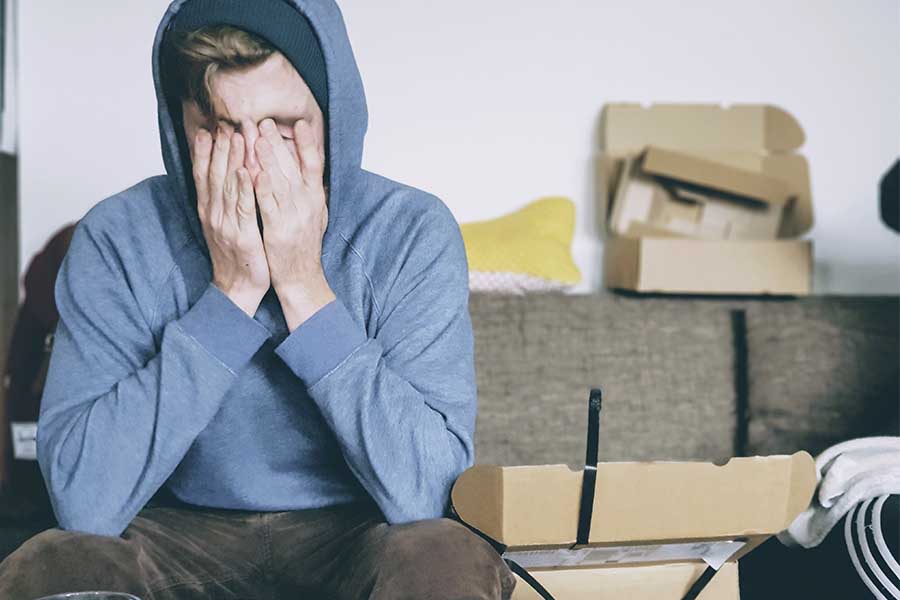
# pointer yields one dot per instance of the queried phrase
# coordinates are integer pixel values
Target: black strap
(526, 576)
(700, 584)
(589, 479)
(588, 483)
(585, 512)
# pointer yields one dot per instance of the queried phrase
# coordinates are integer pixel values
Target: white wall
(9, 118)
(491, 104)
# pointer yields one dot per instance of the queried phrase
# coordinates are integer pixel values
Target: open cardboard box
(655, 526)
(727, 146)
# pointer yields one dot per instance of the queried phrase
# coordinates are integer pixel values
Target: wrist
(299, 303)
(247, 299)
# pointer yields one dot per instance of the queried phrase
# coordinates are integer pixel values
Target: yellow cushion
(527, 250)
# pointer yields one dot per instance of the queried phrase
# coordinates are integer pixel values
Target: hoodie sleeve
(402, 404)
(117, 413)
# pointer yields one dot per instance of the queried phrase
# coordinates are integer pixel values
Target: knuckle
(247, 246)
(198, 171)
(244, 209)
(226, 234)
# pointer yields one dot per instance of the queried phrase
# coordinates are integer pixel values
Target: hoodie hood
(347, 117)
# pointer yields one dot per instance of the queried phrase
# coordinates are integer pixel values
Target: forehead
(271, 89)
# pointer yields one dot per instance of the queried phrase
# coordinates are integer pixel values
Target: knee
(439, 558)
(59, 547)
(56, 561)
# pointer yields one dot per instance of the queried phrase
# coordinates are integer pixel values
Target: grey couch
(683, 378)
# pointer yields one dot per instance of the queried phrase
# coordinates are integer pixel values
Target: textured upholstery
(683, 378)
(821, 371)
(666, 368)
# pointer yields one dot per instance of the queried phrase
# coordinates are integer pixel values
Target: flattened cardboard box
(759, 139)
(655, 525)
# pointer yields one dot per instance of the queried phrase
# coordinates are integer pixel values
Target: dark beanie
(276, 21)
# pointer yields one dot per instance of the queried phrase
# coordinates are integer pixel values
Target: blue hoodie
(158, 380)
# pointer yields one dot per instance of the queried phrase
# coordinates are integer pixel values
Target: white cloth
(847, 473)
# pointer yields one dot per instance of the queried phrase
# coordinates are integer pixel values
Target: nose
(251, 134)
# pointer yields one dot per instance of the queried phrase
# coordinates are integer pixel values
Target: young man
(263, 380)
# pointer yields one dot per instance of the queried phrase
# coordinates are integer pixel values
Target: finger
(265, 197)
(320, 143)
(200, 166)
(276, 179)
(246, 204)
(285, 161)
(217, 171)
(307, 148)
(235, 161)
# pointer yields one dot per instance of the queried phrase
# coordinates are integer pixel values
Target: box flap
(478, 493)
(793, 169)
(717, 175)
(627, 127)
(637, 501)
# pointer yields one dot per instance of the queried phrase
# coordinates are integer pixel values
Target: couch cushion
(666, 368)
(820, 371)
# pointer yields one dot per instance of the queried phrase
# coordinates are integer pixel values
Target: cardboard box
(655, 525)
(649, 582)
(662, 192)
(707, 155)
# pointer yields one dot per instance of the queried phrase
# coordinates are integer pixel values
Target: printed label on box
(713, 553)
(24, 440)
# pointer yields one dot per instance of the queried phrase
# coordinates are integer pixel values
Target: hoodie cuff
(321, 343)
(224, 329)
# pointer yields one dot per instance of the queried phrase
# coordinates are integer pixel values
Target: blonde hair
(198, 55)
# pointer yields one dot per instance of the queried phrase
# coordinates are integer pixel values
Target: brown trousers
(336, 553)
